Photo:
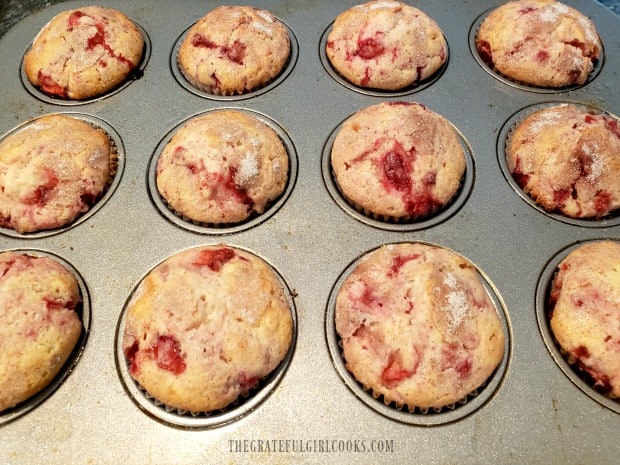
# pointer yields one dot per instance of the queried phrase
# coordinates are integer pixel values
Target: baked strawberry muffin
(397, 161)
(417, 326)
(84, 53)
(386, 45)
(542, 43)
(234, 50)
(585, 312)
(39, 326)
(568, 160)
(205, 327)
(52, 171)
(222, 167)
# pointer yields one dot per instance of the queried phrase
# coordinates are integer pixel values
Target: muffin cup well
(473, 33)
(214, 93)
(411, 89)
(185, 419)
(135, 75)
(222, 228)
(565, 362)
(502, 142)
(83, 310)
(116, 167)
(412, 414)
(401, 224)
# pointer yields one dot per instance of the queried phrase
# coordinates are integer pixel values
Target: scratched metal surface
(533, 412)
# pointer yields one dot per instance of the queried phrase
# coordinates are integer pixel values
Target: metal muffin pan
(536, 412)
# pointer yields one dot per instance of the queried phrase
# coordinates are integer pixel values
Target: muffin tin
(534, 409)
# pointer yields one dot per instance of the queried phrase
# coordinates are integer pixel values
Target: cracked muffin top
(83, 53)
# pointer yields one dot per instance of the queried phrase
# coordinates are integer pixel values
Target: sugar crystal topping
(561, 8)
(450, 280)
(262, 27)
(37, 126)
(588, 29)
(457, 302)
(552, 13)
(577, 60)
(549, 14)
(248, 167)
(597, 165)
(545, 119)
(378, 5)
(266, 16)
